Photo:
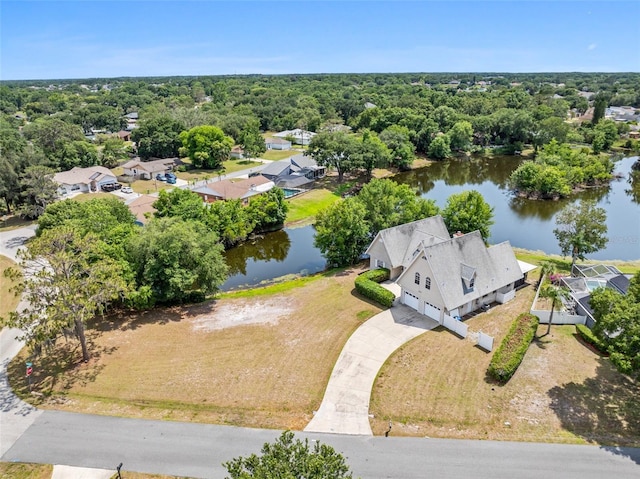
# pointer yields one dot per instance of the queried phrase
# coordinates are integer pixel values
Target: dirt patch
(242, 313)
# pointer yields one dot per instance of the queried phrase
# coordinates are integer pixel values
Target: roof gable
(403, 241)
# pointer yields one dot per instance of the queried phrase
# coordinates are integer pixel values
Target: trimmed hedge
(367, 285)
(509, 355)
(588, 337)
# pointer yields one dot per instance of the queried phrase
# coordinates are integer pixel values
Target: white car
(126, 189)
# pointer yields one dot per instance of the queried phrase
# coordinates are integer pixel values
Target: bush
(509, 355)
(588, 337)
(367, 285)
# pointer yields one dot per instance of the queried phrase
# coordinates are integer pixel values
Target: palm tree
(546, 268)
(556, 295)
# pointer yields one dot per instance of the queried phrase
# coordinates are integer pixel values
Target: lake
(524, 223)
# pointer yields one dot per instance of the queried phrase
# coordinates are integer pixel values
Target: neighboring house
(147, 170)
(237, 152)
(142, 208)
(277, 144)
(293, 172)
(586, 278)
(124, 135)
(234, 190)
(132, 120)
(83, 180)
(300, 137)
(439, 275)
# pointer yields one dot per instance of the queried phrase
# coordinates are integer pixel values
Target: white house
(277, 144)
(439, 275)
(147, 169)
(300, 137)
(83, 180)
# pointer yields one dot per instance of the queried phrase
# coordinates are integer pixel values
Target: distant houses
(297, 136)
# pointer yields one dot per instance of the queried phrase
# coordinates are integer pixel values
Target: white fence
(485, 341)
(456, 326)
(559, 317)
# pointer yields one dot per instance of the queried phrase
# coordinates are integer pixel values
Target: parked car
(127, 189)
(170, 175)
(171, 180)
(161, 177)
(110, 186)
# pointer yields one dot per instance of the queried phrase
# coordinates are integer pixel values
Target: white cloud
(592, 46)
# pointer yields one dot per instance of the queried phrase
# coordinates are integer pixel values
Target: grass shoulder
(8, 300)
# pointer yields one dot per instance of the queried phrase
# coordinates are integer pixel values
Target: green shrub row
(588, 337)
(367, 285)
(509, 355)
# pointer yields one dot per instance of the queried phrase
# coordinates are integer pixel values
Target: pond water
(524, 223)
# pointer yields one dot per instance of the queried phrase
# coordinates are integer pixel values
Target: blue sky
(80, 39)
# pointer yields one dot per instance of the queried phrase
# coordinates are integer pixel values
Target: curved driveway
(345, 406)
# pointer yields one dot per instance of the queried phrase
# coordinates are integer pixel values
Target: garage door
(432, 311)
(411, 300)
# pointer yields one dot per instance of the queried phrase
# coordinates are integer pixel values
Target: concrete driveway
(11, 241)
(345, 406)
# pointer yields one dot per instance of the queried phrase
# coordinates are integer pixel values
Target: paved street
(198, 450)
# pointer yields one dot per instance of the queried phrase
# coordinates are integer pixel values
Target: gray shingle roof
(495, 267)
(401, 242)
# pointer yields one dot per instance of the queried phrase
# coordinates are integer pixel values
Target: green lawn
(305, 207)
(275, 155)
(229, 166)
(91, 196)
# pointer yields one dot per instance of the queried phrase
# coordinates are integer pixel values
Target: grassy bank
(304, 208)
(8, 301)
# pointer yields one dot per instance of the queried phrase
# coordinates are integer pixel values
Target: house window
(472, 282)
(417, 278)
(379, 263)
(427, 283)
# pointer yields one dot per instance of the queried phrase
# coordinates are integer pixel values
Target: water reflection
(284, 252)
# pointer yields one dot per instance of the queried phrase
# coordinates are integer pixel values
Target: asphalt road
(198, 450)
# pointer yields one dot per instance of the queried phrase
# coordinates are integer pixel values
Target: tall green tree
(467, 212)
(268, 211)
(251, 140)
(398, 140)
(370, 152)
(158, 137)
(342, 233)
(206, 146)
(289, 458)
(38, 190)
(600, 105)
(66, 280)
(461, 135)
(618, 325)
(334, 149)
(581, 229)
(178, 260)
(388, 204)
(440, 147)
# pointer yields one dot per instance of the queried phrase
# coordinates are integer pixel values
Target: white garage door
(411, 300)
(432, 311)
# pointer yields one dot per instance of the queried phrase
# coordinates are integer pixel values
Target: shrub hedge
(588, 337)
(509, 355)
(367, 285)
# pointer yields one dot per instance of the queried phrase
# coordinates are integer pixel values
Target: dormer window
(427, 283)
(472, 282)
(417, 278)
(468, 276)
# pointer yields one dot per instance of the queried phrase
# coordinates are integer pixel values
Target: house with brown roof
(142, 208)
(83, 180)
(124, 135)
(237, 152)
(231, 189)
(146, 170)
